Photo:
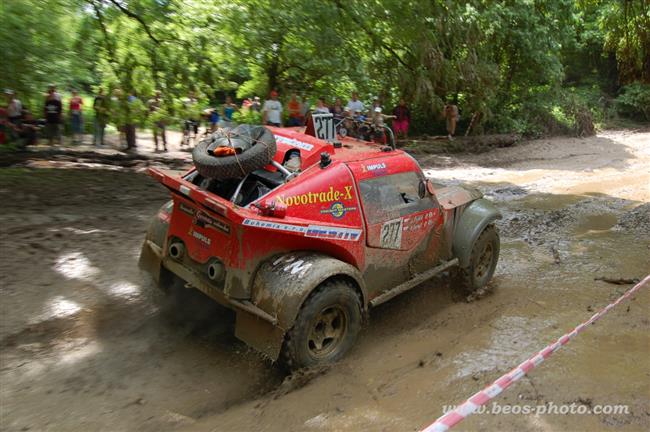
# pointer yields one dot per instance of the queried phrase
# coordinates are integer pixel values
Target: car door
(402, 224)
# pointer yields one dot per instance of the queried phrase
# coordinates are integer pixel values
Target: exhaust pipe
(176, 250)
(215, 271)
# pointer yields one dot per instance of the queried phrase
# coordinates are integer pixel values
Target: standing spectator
(355, 106)
(100, 106)
(450, 112)
(14, 108)
(213, 118)
(191, 124)
(4, 126)
(118, 108)
(272, 111)
(337, 109)
(305, 108)
(53, 112)
(321, 108)
(402, 119)
(158, 122)
(256, 105)
(129, 126)
(51, 89)
(227, 111)
(295, 111)
(76, 116)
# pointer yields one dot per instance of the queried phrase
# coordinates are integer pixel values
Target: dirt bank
(87, 344)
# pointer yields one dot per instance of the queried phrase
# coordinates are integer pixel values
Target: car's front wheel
(482, 262)
(326, 327)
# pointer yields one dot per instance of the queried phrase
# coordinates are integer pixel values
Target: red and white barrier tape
(454, 417)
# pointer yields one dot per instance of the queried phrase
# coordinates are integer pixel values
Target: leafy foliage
(522, 65)
(634, 101)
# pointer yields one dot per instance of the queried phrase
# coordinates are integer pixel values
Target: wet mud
(88, 343)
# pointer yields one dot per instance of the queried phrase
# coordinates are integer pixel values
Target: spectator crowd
(127, 111)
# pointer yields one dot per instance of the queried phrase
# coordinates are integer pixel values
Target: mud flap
(260, 334)
(150, 257)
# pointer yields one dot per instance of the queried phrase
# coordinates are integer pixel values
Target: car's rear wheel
(482, 262)
(326, 327)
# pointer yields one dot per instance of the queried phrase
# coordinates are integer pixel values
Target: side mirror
(430, 188)
(422, 189)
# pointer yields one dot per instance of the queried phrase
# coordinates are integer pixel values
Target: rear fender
(283, 283)
(476, 216)
(151, 252)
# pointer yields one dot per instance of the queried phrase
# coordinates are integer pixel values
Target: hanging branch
(136, 17)
(372, 35)
(110, 48)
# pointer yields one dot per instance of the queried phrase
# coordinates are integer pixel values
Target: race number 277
(391, 234)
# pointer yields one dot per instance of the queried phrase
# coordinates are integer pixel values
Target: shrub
(634, 101)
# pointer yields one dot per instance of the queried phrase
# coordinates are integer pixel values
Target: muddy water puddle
(595, 223)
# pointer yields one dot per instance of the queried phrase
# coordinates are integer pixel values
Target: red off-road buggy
(302, 254)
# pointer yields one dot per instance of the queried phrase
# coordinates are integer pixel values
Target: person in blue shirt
(228, 109)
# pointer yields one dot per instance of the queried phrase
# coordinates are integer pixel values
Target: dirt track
(87, 344)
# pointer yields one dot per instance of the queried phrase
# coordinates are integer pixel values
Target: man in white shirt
(14, 108)
(355, 106)
(272, 111)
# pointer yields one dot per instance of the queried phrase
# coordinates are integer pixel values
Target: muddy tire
(257, 143)
(482, 262)
(326, 327)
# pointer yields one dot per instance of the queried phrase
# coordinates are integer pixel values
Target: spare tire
(255, 146)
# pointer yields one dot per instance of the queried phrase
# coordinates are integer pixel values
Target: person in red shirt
(402, 119)
(295, 111)
(76, 117)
